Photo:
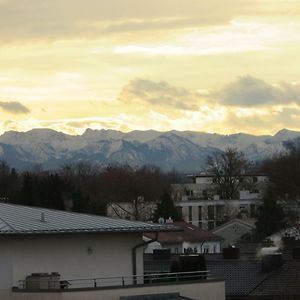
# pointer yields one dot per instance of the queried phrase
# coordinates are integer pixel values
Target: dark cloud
(14, 107)
(159, 94)
(249, 91)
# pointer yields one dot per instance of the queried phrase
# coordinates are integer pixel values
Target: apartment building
(201, 203)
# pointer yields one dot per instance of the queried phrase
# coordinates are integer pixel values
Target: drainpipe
(134, 249)
(201, 247)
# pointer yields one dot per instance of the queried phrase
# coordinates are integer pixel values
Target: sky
(210, 66)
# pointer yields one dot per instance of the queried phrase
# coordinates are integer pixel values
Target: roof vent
(43, 217)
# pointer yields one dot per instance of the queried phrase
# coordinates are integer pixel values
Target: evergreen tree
(166, 208)
(270, 218)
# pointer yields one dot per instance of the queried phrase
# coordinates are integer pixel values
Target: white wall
(212, 246)
(111, 255)
(208, 290)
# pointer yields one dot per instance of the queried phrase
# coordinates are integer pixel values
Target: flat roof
(19, 219)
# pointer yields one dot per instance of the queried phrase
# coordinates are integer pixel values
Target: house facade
(190, 240)
(234, 230)
(201, 204)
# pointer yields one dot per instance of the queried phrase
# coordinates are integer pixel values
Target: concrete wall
(208, 290)
(73, 256)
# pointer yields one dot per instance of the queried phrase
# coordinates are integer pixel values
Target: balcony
(47, 283)
(194, 285)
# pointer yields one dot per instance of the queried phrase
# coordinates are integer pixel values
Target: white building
(202, 206)
(48, 254)
(191, 239)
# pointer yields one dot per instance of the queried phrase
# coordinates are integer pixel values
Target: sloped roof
(283, 282)
(241, 276)
(188, 233)
(18, 219)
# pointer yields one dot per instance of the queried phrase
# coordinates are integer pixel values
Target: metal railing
(92, 283)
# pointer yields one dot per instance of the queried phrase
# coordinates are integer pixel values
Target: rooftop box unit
(231, 253)
(39, 281)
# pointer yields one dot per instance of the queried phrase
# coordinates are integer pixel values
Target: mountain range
(186, 151)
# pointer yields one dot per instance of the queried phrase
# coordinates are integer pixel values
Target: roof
(188, 233)
(18, 219)
(241, 276)
(249, 223)
(283, 282)
(168, 296)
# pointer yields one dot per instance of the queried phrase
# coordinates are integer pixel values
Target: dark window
(190, 213)
(254, 178)
(199, 213)
(211, 212)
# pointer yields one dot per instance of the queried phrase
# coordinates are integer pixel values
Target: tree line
(84, 187)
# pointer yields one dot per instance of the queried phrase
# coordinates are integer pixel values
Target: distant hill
(185, 151)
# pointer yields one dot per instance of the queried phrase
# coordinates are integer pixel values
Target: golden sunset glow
(214, 66)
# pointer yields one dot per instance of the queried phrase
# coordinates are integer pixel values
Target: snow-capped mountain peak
(184, 150)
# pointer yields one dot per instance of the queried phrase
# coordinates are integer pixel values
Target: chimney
(43, 217)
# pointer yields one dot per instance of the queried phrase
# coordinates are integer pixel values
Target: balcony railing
(101, 282)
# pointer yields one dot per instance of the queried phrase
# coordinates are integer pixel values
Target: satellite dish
(161, 220)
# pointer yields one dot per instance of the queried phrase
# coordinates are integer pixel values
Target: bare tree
(227, 168)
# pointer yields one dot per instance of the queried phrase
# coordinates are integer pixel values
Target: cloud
(249, 91)
(73, 19)
(159, 94)
(14, 107)
(164, 24)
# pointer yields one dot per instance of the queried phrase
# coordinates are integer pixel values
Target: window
(206, 250)
(190, 213)
(200, 213)
(254, 178)
(211, 212)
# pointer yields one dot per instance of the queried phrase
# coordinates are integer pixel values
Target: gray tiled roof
(240, 276)
(18, 219)
(285, 281)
